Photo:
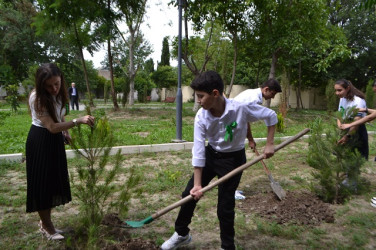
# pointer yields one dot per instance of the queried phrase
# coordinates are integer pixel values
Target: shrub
(94, 181)
(12, 96)
(334, 163)
(280, 123)
(331, 98)
(370, 95)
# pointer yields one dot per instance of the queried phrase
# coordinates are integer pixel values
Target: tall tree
(229, 13)
(19, 47)
(292, 32)
(359, 25)
(134, 16)
(72, 20)
(165, 56)
(149, 66)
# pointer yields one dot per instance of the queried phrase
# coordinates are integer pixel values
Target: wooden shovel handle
(229, 175)
(262, 162)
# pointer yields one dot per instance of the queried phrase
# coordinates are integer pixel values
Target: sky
(161, 20)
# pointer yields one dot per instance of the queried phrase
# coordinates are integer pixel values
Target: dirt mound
(120, 234)
(112, 220)
(297, 208)
(133, 244)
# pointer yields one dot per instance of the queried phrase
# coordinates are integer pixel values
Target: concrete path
(136, 149)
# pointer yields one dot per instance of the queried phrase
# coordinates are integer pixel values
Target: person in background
(352, 97)
(46, 163)
(268, 90)
(223, 122)
(368, 118)
(357, 135)
(73, 96)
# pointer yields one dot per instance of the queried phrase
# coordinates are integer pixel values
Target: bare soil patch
(133, 244)
(112, 220)
(302, 208)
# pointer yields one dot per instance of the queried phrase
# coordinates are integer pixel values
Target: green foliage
(12, 96)
(370, 95)
(95, 181)
(333, 162)
(6, 75)
(149, 66)
(331, 98)
(143, 85)
(165, 56)
(165, 77)
(280, 123)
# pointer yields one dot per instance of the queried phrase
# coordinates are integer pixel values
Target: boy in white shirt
(223, 123)
(268, 90)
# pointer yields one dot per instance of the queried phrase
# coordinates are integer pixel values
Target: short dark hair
(207, 82)
(272, 84)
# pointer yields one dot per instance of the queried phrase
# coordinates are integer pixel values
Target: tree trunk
(84, 66)
(235, 41)
(113, 92)
(273, 67)
(299, 102)
(258, 73)
(131, 66)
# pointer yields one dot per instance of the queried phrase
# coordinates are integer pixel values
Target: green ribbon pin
(229, 130)
(342, 110)
(67, 109)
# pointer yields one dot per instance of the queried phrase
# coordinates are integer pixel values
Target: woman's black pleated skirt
(46, 170)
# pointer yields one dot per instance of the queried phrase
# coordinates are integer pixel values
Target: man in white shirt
(223, 123)
(268, 90)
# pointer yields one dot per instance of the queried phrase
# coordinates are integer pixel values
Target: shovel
(236, 171)
(277, 189)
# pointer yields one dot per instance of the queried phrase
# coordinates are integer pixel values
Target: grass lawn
(140, 124)
(164, 176)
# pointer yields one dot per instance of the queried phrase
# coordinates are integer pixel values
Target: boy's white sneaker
(176, 241)
(373, 199)
(373, 202)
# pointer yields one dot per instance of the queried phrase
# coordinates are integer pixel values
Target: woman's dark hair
(352, 90)
(43, 99)
(207, 82)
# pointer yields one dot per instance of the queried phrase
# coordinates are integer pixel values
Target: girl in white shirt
(352, 97)
(46, 163)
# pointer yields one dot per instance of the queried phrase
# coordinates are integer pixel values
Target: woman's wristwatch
(74, 122)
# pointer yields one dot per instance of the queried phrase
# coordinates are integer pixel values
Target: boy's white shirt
(250, 95)
(206, 126)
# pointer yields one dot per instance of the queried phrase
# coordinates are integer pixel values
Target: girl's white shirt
(357, 102)
(35, 121)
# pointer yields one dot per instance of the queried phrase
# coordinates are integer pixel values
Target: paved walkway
(137, 149)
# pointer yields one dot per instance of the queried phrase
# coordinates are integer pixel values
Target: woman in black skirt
(46, 163)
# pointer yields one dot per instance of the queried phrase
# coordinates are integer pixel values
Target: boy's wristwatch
(74, 122)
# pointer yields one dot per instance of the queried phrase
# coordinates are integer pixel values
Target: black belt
(222, 155)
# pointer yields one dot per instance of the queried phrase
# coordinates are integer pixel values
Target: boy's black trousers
(217, 164)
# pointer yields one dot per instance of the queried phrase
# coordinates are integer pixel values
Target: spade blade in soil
(138, 223)
(278, 190)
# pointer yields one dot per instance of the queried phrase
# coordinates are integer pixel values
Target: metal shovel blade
(277, 189)
(138, 223)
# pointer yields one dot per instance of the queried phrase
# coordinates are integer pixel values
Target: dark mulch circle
(302, 208)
